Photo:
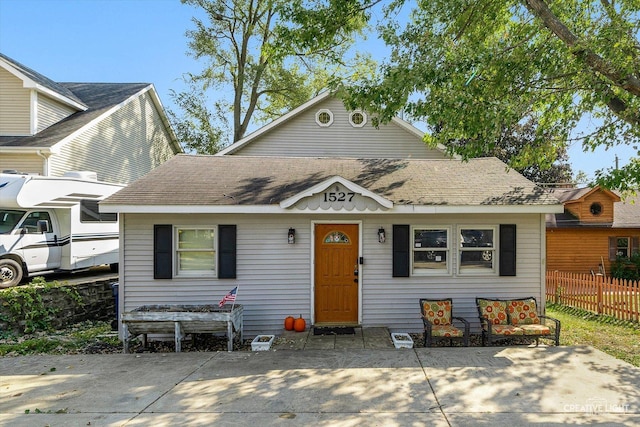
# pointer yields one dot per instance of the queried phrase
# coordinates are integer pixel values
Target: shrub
(626, 267)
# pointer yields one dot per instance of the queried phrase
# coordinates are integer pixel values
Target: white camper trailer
(52, 224)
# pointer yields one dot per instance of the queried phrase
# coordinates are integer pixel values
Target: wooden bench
(504, 319)
(181, 320)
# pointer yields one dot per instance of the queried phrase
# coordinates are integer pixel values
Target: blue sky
(137, 41)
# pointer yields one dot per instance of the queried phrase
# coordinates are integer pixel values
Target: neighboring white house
(118, 130)
(320, 214)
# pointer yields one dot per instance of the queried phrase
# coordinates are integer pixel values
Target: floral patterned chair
(504, 319)
(438, 322)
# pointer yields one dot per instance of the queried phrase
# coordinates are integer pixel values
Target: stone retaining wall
(98, 303)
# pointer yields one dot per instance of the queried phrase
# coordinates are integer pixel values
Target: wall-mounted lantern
(291, 236)
(382, 237)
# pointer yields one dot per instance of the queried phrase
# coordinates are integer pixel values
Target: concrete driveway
(386, 387)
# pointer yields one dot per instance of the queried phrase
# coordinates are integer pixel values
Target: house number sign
(338, 196)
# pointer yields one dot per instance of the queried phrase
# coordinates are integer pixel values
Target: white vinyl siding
(302, 137)
(27, 163)
(51, 112)
(393, 302)
(15, 106)
(120, 148)
(275, 277)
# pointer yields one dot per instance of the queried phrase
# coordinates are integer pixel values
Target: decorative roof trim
(318, 188)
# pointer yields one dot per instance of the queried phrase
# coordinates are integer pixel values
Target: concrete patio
(457, 386)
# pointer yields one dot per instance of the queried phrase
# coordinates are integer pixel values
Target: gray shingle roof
(99, 97)
(196, 180)
(626, 214)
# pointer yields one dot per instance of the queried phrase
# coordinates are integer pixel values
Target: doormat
(336, 330)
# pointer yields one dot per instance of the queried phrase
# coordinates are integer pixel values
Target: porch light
(381, 235)
(291, 236)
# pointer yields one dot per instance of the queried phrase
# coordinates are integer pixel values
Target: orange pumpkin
(299, 325)
(288, 323)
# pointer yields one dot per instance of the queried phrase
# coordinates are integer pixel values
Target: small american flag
(230, 296)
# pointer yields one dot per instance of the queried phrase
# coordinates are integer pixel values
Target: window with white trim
(324, 117)
(195, 251)
(430, 250)
(357, 119)
(477, 250)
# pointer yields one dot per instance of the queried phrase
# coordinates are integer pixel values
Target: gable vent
(357, 119)
(324, 117)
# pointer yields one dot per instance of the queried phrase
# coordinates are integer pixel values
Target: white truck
(52, 224)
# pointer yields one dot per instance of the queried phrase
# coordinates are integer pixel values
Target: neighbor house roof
(92, 102)
(196, 183)
(626, 210)
(35, 80)
(100, 99)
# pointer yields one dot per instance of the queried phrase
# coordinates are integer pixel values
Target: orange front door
(336, 273)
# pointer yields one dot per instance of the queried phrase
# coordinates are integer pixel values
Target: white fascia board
(328, 182)
(473, 209)
(247, 139)
(276, 209)
(27, 83)
(56, 95)
(25, 150)
(209, 209)
(101, 117)
(155, 98)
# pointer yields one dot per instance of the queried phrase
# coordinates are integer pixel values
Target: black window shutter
(635, 245)
(401, 251)
(227, 252)
(162, 251)
(613, 248)
(507, 249)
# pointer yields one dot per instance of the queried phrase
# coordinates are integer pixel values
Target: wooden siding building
(118, 130)
(596, 227)
(344, 224)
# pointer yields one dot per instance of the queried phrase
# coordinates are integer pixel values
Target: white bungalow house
(320, 214)
(118, 130)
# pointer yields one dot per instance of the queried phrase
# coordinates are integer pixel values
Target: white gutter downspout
(45, 166)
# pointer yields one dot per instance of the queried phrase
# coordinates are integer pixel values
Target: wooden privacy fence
(603, 295)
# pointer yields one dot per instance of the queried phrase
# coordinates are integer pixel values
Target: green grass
(620, 339)
(68, 341)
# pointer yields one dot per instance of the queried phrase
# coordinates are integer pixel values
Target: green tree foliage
(520, 138)
(473, 69)
(260, 59)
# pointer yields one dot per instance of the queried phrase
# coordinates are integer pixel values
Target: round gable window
(595, 209)
(357, 119)
(324, 118)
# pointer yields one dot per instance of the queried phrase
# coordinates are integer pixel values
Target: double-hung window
(195, 251)
(477, 250)
(622, 247)
(431, 250)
